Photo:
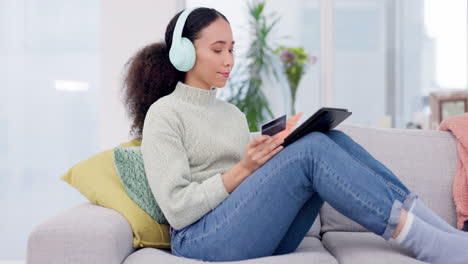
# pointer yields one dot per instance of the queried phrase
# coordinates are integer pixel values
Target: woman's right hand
(259, 150)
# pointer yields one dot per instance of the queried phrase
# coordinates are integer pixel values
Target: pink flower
(287, 56)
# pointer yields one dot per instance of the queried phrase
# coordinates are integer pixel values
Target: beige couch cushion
(365, 247)
(309, 251)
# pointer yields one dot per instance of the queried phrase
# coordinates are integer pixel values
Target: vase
(293, 90)
(292, 110)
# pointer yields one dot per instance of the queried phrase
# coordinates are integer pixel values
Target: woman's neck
(194, 95)
(196, 83)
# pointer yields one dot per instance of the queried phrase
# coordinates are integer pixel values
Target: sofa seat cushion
(365, 247)
(314, 230)
(309, 251)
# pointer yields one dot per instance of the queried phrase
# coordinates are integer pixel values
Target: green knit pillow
(129, 165)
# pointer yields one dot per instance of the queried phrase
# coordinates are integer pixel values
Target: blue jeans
(271, 211)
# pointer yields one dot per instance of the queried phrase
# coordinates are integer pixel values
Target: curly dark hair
(150, 74)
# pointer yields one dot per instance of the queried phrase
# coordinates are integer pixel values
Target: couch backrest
(424, 160)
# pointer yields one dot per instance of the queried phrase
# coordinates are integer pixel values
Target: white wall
(126, 26)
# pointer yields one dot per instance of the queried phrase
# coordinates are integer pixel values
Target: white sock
(420, 210)
(432, 245)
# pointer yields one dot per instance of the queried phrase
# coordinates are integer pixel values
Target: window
(360, 59)
(386, 55)
(432, 53)
(49, 61)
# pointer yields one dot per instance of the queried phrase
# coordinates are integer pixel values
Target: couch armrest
(86, 233)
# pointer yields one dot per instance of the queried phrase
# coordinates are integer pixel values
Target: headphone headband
(179, 27)
(182, 52)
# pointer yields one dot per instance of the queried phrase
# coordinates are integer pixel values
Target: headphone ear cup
(182, 55)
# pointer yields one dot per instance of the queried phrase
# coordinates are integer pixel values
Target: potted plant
(246, 83)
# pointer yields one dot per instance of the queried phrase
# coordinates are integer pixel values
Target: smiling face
(214, 56)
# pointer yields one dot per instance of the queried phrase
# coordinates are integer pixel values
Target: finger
(270, 155)
(283, 134)
(290, 124)
(267, 148)
(297, 117)
(264, 145)
(293, 120)
(257, 140)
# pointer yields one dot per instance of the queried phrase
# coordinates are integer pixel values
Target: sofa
(425, 160)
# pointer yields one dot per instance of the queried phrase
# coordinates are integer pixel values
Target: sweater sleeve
(181, 200)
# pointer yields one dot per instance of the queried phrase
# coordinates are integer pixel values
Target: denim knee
(312, 145)
(335, 132)
(317, 138)
(338, 134)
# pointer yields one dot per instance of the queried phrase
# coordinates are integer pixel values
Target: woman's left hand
(290, 125)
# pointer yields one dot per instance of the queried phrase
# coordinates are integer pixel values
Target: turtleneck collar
(195, 95)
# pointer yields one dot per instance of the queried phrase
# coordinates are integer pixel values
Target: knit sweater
(190, 138)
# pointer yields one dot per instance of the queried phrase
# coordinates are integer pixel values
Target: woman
(229, 198)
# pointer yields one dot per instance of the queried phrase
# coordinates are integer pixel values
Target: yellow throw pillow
(97, 179)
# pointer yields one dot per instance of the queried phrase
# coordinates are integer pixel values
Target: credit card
(275, 126)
